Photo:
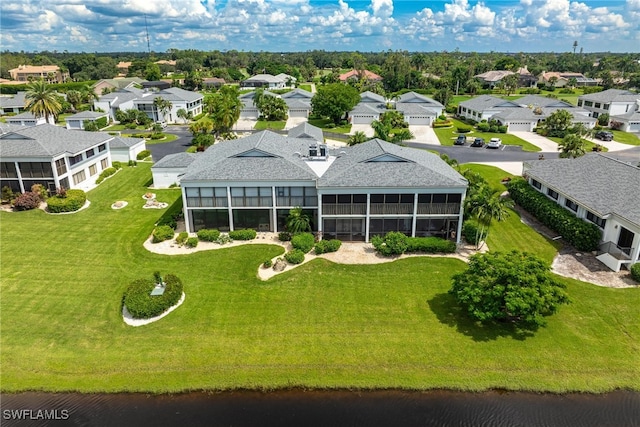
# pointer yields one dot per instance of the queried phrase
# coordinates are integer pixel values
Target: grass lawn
(625, 137)
(117, 127)
(263, 124)
(447, 136)
(305, 86)
(322, 124)
(168, 137)
(320, 325)
(588, 145)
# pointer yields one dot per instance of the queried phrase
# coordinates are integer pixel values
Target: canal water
(323, 408)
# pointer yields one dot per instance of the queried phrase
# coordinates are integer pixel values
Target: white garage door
(519, 126)
(634, 126)
(419, 120)
(362, 119)
(298, 113)
(249, 114)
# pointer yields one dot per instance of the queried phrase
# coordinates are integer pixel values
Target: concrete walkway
(545, 144)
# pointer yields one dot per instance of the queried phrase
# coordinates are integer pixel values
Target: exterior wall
(166, 177)
(520, 126)
(124, 154)
(611, 108)
(75, 124)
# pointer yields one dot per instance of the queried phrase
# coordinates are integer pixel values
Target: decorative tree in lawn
(558, 123)
(572, 146)
(513, 286)
(334, 101)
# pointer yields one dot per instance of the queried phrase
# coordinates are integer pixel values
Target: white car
(494, 143)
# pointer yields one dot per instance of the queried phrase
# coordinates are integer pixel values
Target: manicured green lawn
(117, 127)
(588, 145)
(448, 135)
(625, 137)
(305, 86)
(320, 325)
(322, 124)
(263, 124)
(168, 137)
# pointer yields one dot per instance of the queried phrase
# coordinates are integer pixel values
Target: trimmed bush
(162, 233)
(303, 241)
(393, 243)
(430, 245)
(105, 174)
(284, 236)
(27, 201)
(463, 129)
(267, 263)
(326, 246)
(442, 124)
(295, 256)
(582, 235)
(142, 305)
(483, 127)
(182, 238)
(117, 165)
(223, 239)
(247, 234)
(191, 242)
(74, 200)
(208, 235)
(635, 271)
(471, 232)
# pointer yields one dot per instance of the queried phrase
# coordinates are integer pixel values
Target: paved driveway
(611, 145)
(545, 144)
(294, 121)
(367, 129)
(424, 134)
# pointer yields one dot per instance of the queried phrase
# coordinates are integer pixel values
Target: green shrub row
(396, 243)
(463, 129)
(294, 256)
(471, 232)
(326, 246)
(105, 174)
(246, 234)
(393, 243)
(442, 124)
(208, 235)
(191, 242)
(635, 271)
(181, 239)
(580, 234)
(73, 201)
(142, 305)
(303, 241)
(162, 233)
(143, 154)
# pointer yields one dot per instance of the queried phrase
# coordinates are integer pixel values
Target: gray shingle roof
(297, 104)
(611, 95)
(265, 78)
(22, 116)
(305, 130)
(597, 182)
(413, 97)
(415, 168)
(485, 102)
(48, 141)
(297, 93)
(87, 115)
(543, 101)
(16, 101)
(364, 108)
(369, 97)
(630, 116)
(122, 142)
(411, 108)
(177, 160)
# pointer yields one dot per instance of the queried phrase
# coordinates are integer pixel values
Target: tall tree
(486, 205)
(226, 110)
(396, 71)
(162, 106)
(557, 123)
(334, 101)
(41, 100)
(572, 146)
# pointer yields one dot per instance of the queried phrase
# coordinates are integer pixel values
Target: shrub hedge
(27, 201)
(162, 233)
(295, 256)
(143, 154)
(326, 246)
(470, 232)
(393, 243)
(284, 236)
(303, 241)
(246, 234)
(105, 173)
(208, 235)
(191, 242)
(142, 305)
(635, 271)
(73, 201)
(430, 245)
(580, 234)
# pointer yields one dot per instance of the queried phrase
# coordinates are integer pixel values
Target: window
(102, 147)
(597, 105)
(571, 204)
(552, 194)
(596, 219)
(536, 184)
(61, 166)
(90, 153)
(104, 163)
(79, 177)
(296, 196)
(206, 197)
(605, 106)
(64, 183)
(75, 159)
(93, 169)
(35, 170)
(8, 170)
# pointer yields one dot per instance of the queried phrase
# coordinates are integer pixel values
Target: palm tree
(357, 138)
(486, 205)
(298, 221)
(41, 100)
(183, 114)
(74, 97)
(162, 106)
(572, 146)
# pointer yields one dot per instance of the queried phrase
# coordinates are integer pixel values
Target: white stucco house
(124, 149)
(614, 102)
(168, 170)
(78, 120)
(27, 118)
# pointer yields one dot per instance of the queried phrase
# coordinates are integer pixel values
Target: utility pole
(146, 28)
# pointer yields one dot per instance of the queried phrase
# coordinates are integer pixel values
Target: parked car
(460, 140)
(162, 124)
(494, 143)
(604, 135)
(478, 142)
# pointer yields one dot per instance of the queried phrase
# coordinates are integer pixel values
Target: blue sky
(301, 25)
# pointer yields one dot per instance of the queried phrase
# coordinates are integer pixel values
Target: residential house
(525, 78)
(49, 73)
(601, 190)
(13, 103)
(29, 119)
(298, 102)
(483, 107)
(492, 78)
(418, 109)
(124, 149)
(370, 107)
(78, 120)
(52, 156)
(629, 122)
(104, 86)
(289, 81)
(121, 99)
(351, 194)
(266, 81)
(123, 67)
(212, 82)
(614, 102)
(564, 78)
(306, 131)
(370, 76)
(249, 108)
(167, 171)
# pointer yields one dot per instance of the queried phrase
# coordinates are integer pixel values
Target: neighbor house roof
(630, 116)
(494, 76)
(124, 142)
(265, 78)
(297, 93)
(371, 97)
(177, 160)
(121, 83)
(369, 75)
(87, 115)
(48, 141)
(593, 181)
(416, 98)
(611, 95)
(305, 130)
(486, 102)
(16, 101)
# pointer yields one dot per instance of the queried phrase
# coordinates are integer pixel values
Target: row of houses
(416, 108)
(527, 79)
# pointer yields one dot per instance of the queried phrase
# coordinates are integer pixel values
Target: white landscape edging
(129, 320)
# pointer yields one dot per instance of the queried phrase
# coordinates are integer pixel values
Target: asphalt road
(180, 145)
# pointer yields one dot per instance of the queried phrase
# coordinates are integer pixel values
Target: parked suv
(494, 143)
(478, 142)
(603, 135)
(460, 140)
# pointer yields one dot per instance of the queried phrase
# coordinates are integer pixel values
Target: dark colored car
(603, 135)
(478, 142)
(460, 140)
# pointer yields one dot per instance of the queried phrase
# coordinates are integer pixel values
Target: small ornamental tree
(513, 286)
